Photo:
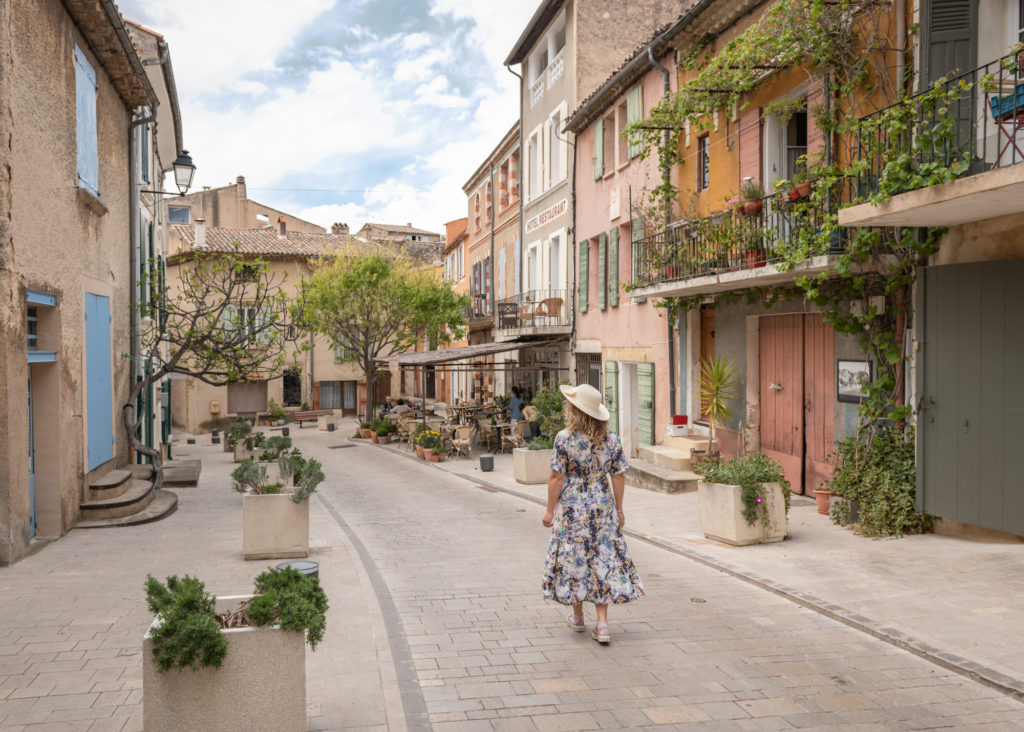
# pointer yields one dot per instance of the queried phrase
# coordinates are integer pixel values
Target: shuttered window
(950, 37)
(645, 394)
(611, 393)
(636, 237)
(144, 154)
(598, 149)
(602, 271)
(613, 267)
(583, 284)
(85, 123)
(634, 112)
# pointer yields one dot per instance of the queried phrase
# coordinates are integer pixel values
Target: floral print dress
(587, 558)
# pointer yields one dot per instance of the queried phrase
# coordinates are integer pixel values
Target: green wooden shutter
(645, 395)
(949, 35)
(611, 393)
(598, 149)
(634, 112)
(636, 253)
(583, 285)
(602, 271)
(613, 267)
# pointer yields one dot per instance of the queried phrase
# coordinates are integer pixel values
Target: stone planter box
(242, 452)
(274, 527)
(721, 514)
(531, 467)
(260, 685)
(323, 420)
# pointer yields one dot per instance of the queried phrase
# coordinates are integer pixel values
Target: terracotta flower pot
(435, 457)
(803, 189)
(419, 451)
(822, 497)
(752, 208)
(374, 437)
(365, 433)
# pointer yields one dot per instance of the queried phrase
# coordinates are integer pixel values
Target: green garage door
(971, 393)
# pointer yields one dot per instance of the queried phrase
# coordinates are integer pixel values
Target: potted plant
(717, 389)
(531, 465)
(275, 513)
(752, 195)
(743, 501)
(385, 429)
(436, 455)
(427, 441)
(276, 412)
(364, 430)
(247, 445)
(234, 662)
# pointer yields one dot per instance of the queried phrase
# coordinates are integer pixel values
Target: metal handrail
(534, 308)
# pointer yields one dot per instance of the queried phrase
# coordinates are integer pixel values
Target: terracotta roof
(399, 229)
(266, 242)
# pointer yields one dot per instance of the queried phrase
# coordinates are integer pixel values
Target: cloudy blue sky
(343, 110)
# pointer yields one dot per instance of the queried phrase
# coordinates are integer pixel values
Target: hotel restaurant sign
(549, 214)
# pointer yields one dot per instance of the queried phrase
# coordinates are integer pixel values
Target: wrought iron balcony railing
(534, 309)
(479, 308)
(971, 123)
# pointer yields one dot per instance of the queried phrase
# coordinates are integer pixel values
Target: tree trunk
(131, 425)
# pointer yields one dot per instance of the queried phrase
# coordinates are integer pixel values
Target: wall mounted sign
(549, 214)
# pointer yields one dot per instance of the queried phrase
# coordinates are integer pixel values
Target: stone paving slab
(948, 599)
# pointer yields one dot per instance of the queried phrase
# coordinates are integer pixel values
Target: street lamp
(184, 169)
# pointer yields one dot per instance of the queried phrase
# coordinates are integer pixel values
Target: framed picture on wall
(851, 377)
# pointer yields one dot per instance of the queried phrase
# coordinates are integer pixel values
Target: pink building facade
(625, 346)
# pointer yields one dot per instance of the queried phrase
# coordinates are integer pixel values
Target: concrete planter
(721, 514)
(323, 420)
(261, 684)
(531, 467)
(274, 527)
(242, 452)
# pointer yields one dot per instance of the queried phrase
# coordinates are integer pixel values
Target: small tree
(377, 303)
(224, 323)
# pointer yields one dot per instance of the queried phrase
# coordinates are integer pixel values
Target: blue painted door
(31, 463)
(99, 396)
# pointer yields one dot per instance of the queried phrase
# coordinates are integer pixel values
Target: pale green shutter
(636, 253)
(602, 271)
(583, 286)
(634, 112)
(611, 393)
(613, 267)
(645, 395)
(598, 149)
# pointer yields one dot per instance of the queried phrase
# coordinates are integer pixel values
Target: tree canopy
(372, 304)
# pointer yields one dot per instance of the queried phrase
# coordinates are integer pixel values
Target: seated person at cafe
(387, 406)
(401, 407)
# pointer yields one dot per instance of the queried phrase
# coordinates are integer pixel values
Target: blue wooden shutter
(634, 112)
(602, 271)
(598, 149)
(85, 128)
(613, 267)
(99, 394)
(583, 285)
(611, 393)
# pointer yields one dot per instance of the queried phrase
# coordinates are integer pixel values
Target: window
(343, 353)
(33, 328)
(533, 267)
(260, 219)
(622, 115)
(247, 397)
(247, 273)
(598, 149)
(85, 123)
(180, 215)
(634, 113)
(533, 163)
(703, 163)
(555, 258)
(292, 383)
(330, 395)
(555, 147)
(796, 144)
(144, 152)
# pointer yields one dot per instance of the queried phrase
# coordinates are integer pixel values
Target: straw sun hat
(587, 399)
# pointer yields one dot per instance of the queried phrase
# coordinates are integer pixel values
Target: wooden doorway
(797, 356)
(707, 346)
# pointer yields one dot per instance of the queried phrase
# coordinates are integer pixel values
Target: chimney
(281, 232)
(240, 182)
(200, 242)
(339, 229)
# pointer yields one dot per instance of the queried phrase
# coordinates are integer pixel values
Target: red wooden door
(797, 396)
(707, 345)
(782, 393)
(819, 400)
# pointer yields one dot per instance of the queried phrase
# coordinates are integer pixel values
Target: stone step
(666, 457)
(176, 472)
(112, 484)
(653, 477)
(139, 495)
(163, 504)
(688, 442)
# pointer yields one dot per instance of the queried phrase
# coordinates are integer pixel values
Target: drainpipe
(901, 41)
(493, 263)
(665, 176)
(522, 184)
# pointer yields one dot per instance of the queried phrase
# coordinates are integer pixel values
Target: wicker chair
(462, 441)
(513, 436)
(488, 432)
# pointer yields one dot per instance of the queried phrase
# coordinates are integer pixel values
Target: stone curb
(950, 661)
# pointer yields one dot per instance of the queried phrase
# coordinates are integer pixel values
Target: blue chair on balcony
(1008, 113)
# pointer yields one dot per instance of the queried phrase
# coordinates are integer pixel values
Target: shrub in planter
(273, 447)
(276, 412)
(275, 515)
(717, 390)
(245, 660)
(744, 500)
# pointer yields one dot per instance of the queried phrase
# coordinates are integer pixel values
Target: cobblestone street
(437, 622)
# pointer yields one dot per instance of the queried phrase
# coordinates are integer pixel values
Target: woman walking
(587, 559)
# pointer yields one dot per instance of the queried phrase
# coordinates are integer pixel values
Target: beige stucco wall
(230, 207)
(983, 241)
(55, 241)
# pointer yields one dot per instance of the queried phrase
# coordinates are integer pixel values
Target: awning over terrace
(414, 359)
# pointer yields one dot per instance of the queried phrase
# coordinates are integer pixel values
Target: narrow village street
(437, 622)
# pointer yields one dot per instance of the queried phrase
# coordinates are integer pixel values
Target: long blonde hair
(576, 420)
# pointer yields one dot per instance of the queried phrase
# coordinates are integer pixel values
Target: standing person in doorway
(587, 558)
(515, 406)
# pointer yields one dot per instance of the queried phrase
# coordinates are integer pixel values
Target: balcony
(478, 315)
(537, 89)
(548, 77)
(983, 111)
(732, 250)
(535, 312)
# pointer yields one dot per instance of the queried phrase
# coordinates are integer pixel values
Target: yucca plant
(717, 389)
